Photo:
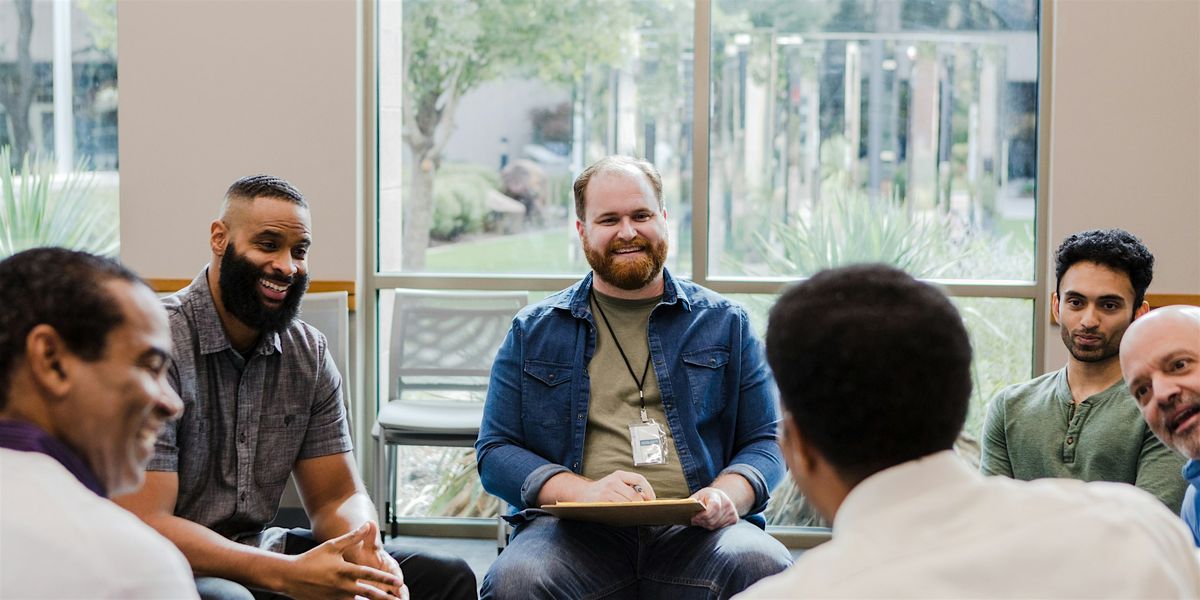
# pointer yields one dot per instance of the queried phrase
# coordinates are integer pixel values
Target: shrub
(459, 200)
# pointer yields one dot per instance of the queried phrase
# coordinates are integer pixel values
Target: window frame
(373, 279)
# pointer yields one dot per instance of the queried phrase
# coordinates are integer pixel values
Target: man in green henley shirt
(1080, 422)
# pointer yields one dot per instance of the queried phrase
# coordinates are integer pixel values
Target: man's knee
(518, 574)
(756, 563)
(515, 573)
(435, 576)
(753, 557)
(215, 588)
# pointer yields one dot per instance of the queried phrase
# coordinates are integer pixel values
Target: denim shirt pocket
(546, 400)
(705, 370)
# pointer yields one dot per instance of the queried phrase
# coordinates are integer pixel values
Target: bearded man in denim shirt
(631, 385)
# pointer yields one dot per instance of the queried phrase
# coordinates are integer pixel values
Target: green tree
(16, 86)
(453, 46)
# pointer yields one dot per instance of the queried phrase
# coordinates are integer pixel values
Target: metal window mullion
(1045, 146)
(701, 88)
(366, 321)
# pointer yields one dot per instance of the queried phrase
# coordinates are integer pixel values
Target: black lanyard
(645, 370)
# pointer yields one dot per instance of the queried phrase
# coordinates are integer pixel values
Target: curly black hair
(1116, 249)
(873, 365)
(61, 288)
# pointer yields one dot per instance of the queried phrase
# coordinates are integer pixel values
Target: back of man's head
(872, 365)
(61, 288)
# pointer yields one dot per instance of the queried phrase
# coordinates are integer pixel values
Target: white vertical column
(64, 89)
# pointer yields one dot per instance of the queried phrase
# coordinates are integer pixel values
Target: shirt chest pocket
(279, 439)
(705, 370)
(546, 397)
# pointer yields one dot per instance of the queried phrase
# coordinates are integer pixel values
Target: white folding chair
(329, 312)
(442, 346)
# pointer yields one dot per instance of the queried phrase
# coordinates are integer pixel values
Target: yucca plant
(854, 229)
(928, 244)
(43, 209)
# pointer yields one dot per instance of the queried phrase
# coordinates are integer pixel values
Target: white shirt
(935, 528)
(60, 540)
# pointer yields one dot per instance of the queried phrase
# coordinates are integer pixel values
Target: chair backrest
(329, 313)
(448, 339)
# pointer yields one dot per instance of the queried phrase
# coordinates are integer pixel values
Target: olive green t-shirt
(1035, 429)
(614, 403)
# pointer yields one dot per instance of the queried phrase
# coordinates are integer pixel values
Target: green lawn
(534, 252)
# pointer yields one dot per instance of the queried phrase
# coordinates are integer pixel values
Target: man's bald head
(1160, 360)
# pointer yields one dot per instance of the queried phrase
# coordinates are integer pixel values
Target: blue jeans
(426, 574)
(554, 559)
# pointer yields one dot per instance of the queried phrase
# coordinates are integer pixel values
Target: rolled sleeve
(328, 431)
(757, 456)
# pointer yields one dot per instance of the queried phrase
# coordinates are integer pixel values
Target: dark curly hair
(1116, 249)
(61, 288)
(873, 365)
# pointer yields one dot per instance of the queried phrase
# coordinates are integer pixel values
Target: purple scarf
(27, 437)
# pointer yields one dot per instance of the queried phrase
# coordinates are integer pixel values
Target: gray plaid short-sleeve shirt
(246, 421)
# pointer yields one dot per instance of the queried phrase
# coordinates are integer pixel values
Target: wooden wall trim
(1159, 300)
(167, 286)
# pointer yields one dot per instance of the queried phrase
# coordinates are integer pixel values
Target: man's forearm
(337, 518)
(563, 487)
(209, 553)
(738, 489)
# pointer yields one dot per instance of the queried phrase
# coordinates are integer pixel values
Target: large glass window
(831, 132)
(489, 108)
(893, 131)
(58, 125)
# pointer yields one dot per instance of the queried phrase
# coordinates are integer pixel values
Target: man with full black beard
(575, 413)
(262, 401)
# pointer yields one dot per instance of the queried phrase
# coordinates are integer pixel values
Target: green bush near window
(459, 200)
(41, 208)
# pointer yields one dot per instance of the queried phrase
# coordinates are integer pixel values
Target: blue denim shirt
(1191, 502)
(717, 391)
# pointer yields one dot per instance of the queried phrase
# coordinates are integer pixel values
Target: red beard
(628, 273)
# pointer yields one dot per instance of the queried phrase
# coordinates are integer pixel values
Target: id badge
(649, 442)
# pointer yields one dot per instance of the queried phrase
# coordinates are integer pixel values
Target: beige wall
(212, 91)
(1125, 132)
